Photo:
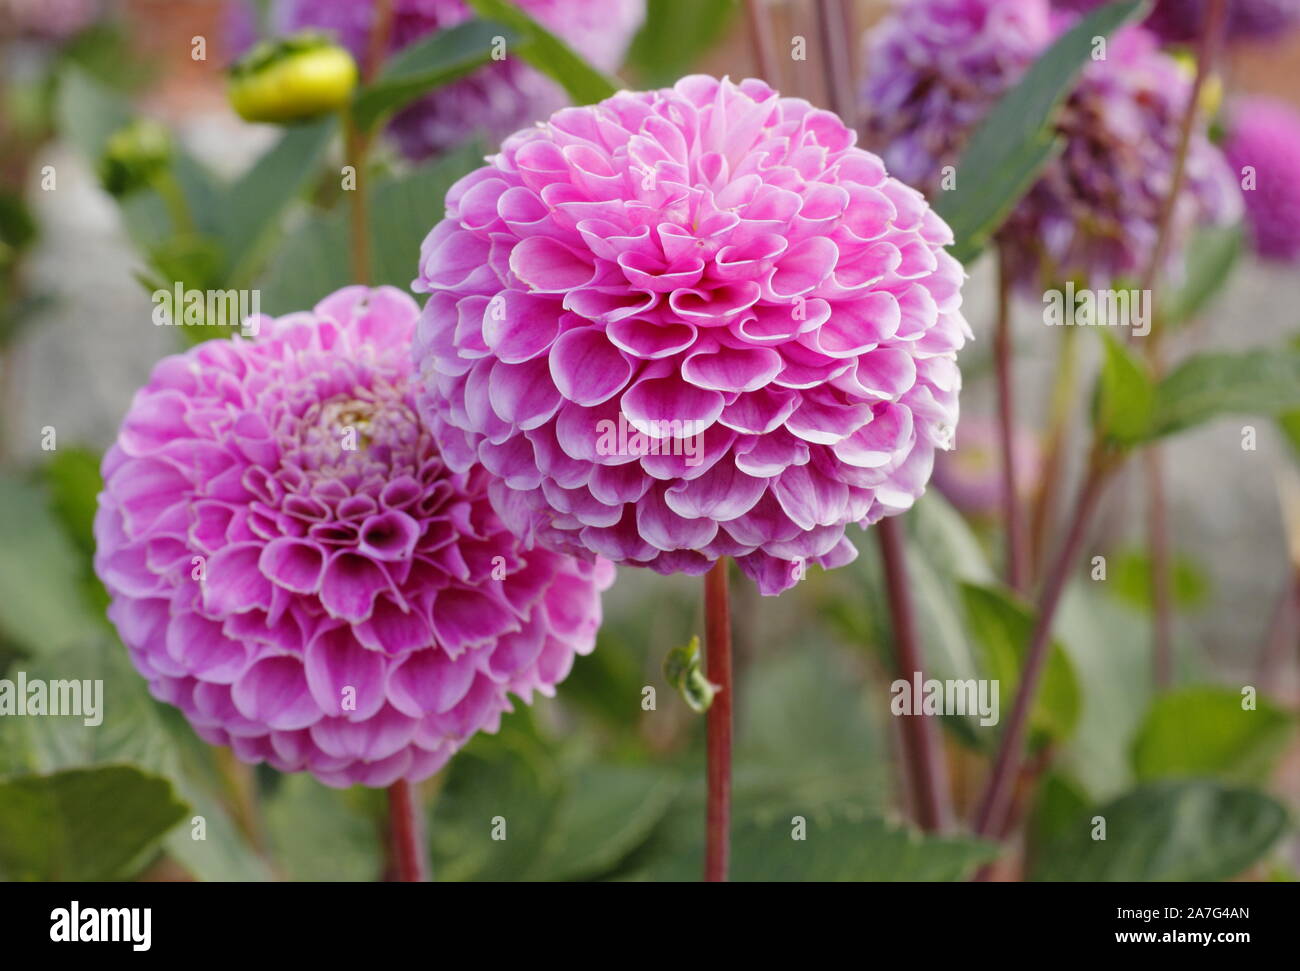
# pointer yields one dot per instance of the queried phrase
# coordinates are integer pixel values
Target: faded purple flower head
(1264, 135)
(935, 69)
(691, 323)
(293, 566)
(499, 97)
(970, 476)
(1181, 21)
(47, 20)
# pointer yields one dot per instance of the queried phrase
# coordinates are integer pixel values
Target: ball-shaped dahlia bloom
(1182, 21)
(1263, 146)
(293, 566)
(691, 323)
(936, 67)
(494, 100)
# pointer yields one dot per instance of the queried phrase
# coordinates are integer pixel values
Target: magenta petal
(274, 692)
(464, 618)
(653, 406)
(587, 368)
(234, 582)
(345, 679)
(350, 585)
(431, 681)
(549, 266)
(294, 564)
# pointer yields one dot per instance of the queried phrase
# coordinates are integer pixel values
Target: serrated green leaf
(83, 824)
(1203, 730)
(1182, 831)
(1208, 386)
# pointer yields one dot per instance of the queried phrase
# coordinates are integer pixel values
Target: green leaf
(88, 113)
(313, 262)
(836, 845)
(1207, 386)
(674, 35)
(607, 812)
(83, 824)
(1002, 626)
(1126, 396)
(42, 609)
(435, 60)
(1203, 730)
(1130, 578)
(323, 834)
(550, 55)
(506, 786)
(1211, 256)
(72, 478)
(254, 206)
(1016, 140)
(1185, 831)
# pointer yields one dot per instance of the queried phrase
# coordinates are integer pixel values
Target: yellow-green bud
(292, 79)
(134, 156)
(1211, 98)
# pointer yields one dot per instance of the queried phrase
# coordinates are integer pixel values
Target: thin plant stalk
(1055, 447)
(991, 814)
(1013, 520)
(1159, 556)
(923, 765)
(406, 834)
(717, 668)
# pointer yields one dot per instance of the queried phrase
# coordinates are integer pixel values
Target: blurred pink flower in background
(293, 566)
(718, 270)
(970, 476)
(1264, 135)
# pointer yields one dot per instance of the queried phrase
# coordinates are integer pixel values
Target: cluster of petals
(936, 67)
(1184, 21)
(294, 567)
(691, 323)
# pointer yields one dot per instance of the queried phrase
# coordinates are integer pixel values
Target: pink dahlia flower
(499, 97)
(691, 323)
(935, 69)
(1264, 135)
(293, 566)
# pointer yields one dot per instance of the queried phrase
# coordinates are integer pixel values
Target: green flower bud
(134, 157)
(292, 79)
(682, 671)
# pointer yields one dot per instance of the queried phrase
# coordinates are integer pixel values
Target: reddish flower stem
(717, 660)
(406, 833)
(1013, 521)
(922, 755)
(990, 817)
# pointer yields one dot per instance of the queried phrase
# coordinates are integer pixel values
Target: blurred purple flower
(1180, 21)
(691, 323)
(970, 476)
(935, 69)
(293, 566)
(499, 97)
(49, 20)
(1264, 134)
